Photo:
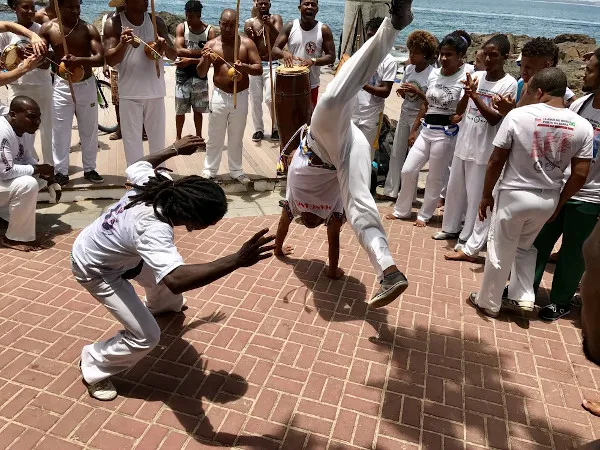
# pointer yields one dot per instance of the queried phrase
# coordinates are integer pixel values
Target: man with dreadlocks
(134, 240)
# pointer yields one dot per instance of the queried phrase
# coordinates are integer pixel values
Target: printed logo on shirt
(310, 48)
(551, 138)
(92, 105)
(440, 96)
(596, 144)
(3, 148)
(310, 206)
(474, 113)
(110, 218)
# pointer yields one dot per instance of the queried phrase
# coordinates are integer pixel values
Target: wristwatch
(314, 60)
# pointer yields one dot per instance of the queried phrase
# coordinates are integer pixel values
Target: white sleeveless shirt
(307, 45)
(137, 75)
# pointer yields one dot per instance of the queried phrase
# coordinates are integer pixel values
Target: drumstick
(155, 36)
(64, 43)
(270, 76)
(235, 50)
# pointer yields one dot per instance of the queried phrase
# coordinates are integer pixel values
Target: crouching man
(21, 177)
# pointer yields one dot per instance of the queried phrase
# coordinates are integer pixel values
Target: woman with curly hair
(436, 141)
(422, 49)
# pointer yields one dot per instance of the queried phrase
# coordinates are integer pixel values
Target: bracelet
(175, 148)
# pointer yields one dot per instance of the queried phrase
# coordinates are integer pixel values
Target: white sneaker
(102, 390)
(243, 178)
(519, 304)
(443, 236)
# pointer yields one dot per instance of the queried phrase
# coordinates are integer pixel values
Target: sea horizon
(530, 17)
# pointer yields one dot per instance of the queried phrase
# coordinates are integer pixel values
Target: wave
(589, 3)
(508, 16)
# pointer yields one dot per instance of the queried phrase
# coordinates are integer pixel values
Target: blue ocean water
(532, 17)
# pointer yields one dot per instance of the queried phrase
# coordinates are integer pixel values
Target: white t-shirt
(412, 103)
(474, 140)
(16, 152)
(119, 239)
(371, 104)
(444, 92)
(590, 192)
(37, 77)
(312, 189)
(543, 140)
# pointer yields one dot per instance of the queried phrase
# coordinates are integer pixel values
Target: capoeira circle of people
(519, 197)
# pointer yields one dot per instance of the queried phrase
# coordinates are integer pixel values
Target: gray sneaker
(392, 286)
(443, 236)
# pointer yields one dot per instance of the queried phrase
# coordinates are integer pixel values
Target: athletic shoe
(102, 390)
(443, 236)
(553, 312)
(460, 245)
(392, 286)
(207, 176)
(275, 136)
(524, 305)
(61, 179)
(258, 136)
(401, 12)
(243, 178)
(93, 177)
(576, 301)
(472, 300)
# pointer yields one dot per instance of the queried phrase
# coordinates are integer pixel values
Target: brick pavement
(278, 356)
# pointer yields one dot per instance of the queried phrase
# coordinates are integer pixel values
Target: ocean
(531, 17)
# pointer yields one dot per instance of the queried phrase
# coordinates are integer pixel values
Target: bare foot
(419, 223)
(459, 256)
(593, 407)
(391, 217)
(20, 246)
(441, 202)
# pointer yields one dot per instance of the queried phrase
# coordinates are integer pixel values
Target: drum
(292, 105)
(12, 56)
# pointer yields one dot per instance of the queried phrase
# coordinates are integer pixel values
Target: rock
(171, 20)
(571, 51)
(5, 8)
(577, 38)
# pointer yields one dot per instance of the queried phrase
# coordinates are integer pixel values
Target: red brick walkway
(277, 356)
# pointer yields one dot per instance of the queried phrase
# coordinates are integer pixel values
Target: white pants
(258, 84)
(225, 119)
(464, 195)
(519, 217)
(337, 141)
(42, 94)
(398, 156)
(437, 148)
(137, 115)
(19, 197)
(141, 334)
(368, 123)
(86, 111)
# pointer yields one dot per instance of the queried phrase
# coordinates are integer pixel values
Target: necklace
(74, 26)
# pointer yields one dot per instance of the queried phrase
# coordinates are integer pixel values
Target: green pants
(575, 222)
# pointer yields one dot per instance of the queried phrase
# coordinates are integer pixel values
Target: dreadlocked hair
(191, 199)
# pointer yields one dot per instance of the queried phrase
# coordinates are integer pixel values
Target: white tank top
(307, 44)
(193, 41)
(137, 75)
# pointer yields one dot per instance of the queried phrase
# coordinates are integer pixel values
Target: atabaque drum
(292, 105)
